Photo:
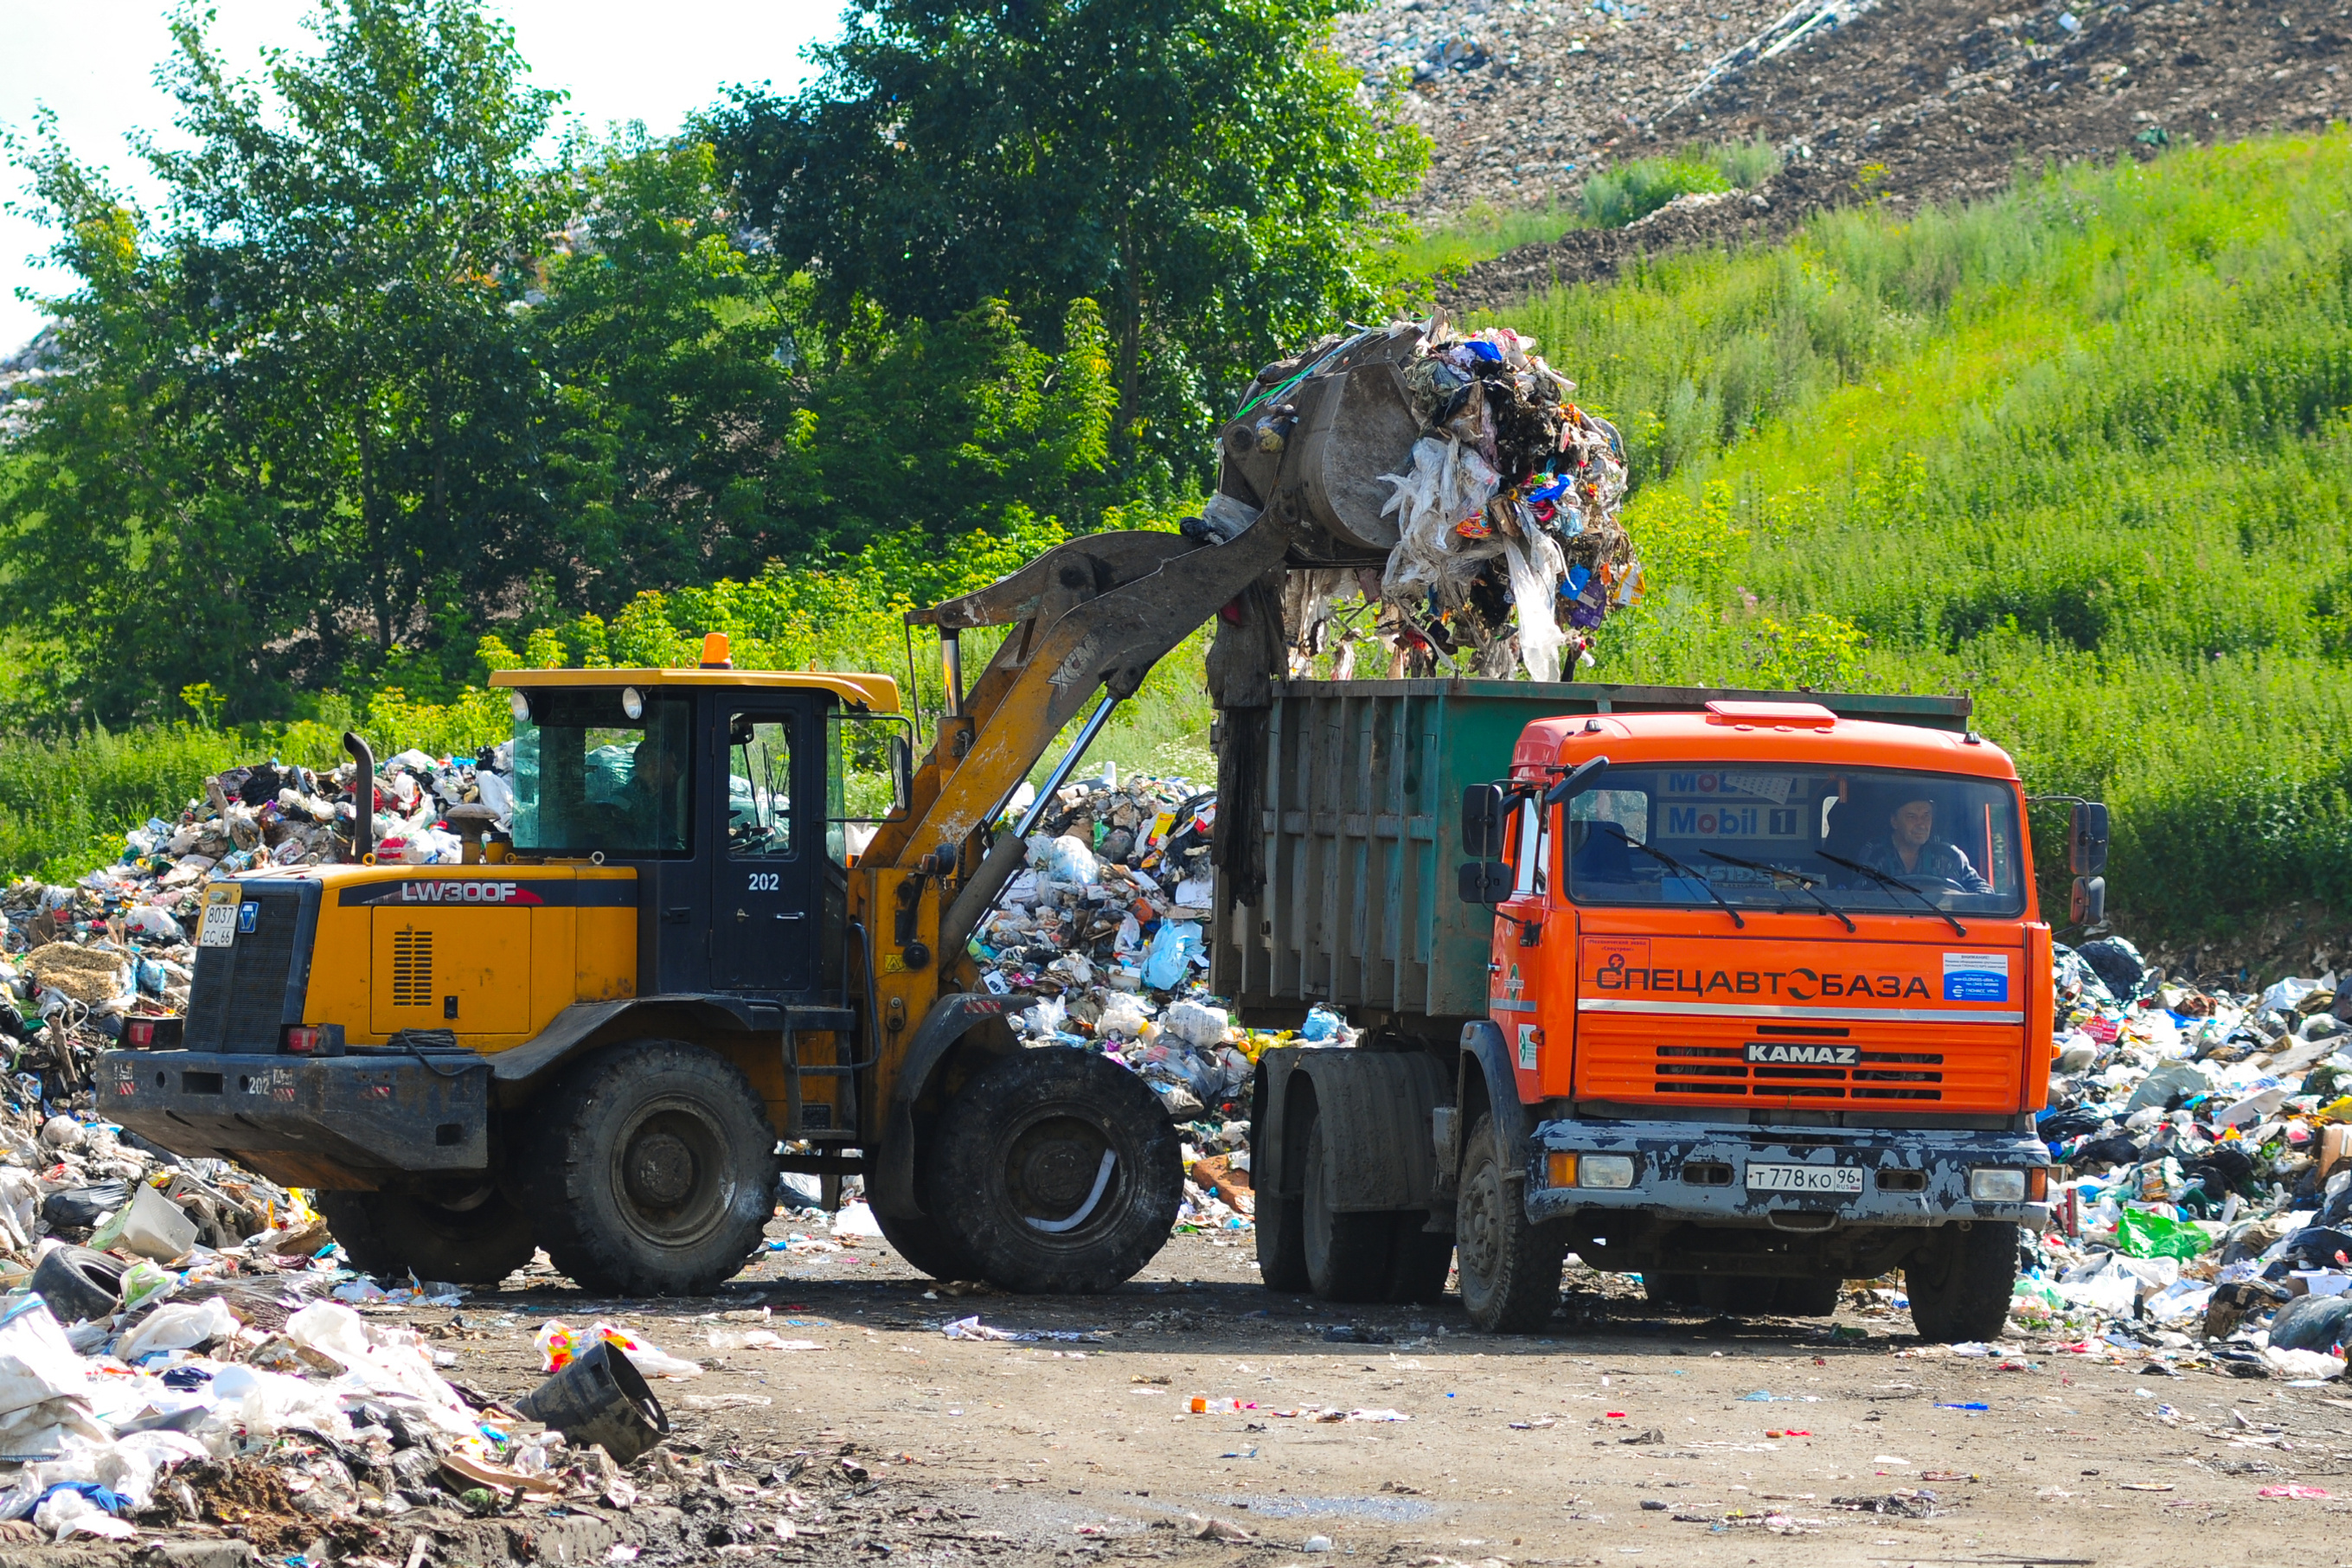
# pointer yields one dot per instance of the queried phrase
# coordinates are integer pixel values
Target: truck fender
(1377, 1107)
(890, 1174)
(1487, 1077)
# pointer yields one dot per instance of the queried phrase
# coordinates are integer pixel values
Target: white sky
(93, 62)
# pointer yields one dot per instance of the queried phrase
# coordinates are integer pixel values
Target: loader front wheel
(1059, 1171)
(477, 1240)
(652, 1169)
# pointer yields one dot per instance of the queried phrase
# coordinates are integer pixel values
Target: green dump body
(1359, 808)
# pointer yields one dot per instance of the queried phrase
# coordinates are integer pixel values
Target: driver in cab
(1911, 852)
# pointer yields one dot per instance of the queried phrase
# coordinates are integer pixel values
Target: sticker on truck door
(1976, 976)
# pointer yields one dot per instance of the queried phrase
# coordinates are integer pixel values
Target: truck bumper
(338, 1121)
(1701, 1173)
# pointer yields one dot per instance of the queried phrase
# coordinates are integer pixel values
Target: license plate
(1804, 1179)
(219, 927)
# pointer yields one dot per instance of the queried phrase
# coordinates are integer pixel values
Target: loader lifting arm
(1095, 613)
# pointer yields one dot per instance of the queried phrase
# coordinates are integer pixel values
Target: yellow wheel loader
(599, 1043)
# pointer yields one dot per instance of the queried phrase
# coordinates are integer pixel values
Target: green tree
(1205, 169)
(294, 399)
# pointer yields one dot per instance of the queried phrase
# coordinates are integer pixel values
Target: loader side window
(590, 777)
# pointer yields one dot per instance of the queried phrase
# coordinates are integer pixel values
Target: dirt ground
(1625, 1433)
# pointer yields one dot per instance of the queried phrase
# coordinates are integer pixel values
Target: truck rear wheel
(1346, 1254)
(928, 1245)
(1419, 1260)
(478, 1241)
(1960, 1282)
(1059, 1171)
(652, 1171)
(1282, 1242)
(1510, 1267)
(1806, 1298)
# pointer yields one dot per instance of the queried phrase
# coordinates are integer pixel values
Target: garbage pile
(1105, 931)
(1505, 498)
(2206, 1135)
(77, 959)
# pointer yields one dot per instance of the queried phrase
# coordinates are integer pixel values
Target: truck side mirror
(1485, 882)
(2088, 906)
(1482, 821)
(2086, 838)
(902, 775)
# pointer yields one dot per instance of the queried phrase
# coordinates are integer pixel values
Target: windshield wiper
(1899, 885)
(1804, 884)
(1669, 861)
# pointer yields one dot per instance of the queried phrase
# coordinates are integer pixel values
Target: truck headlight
(1995, 1183)
(1605, 1170)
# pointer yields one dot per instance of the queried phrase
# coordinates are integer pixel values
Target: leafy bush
(1615, 197)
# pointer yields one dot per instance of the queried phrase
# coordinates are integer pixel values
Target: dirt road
(1624, 1434)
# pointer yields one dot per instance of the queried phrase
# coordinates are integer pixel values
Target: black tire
(652, 1169)
(1281, 1222)
(928, 1245)
(1509, 1268)
(1023, 1145)
(1346, 1254)
(393, 1234)
(1671, 1289)
(1419, 1260)
(1959, 1283)
(1806, 1298)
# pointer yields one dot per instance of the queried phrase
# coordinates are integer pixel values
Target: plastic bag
(1168, 955)
(559, 1344)
(1196, 1024)
(268, 1403)
(1065, 859)
(2144, 1235)
(182, 1325)
(1535, 564)
(36, 1363)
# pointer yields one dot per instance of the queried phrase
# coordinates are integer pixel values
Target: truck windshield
(1764, 837)
(587, 777)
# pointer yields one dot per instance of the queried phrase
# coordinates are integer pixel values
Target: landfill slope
(1910, 102)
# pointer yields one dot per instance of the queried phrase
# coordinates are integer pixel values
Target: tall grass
(2080, 451)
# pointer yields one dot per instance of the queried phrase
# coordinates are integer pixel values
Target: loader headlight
(1994, 1184)
(519, 704)
(633, 704)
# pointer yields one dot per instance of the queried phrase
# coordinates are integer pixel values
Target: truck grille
(412, 968)
(1725, 1069)
(238, 1000)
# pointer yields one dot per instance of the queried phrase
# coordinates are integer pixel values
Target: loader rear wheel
(652, 1169)
(928, 1245)
(479, 1240)
(1058, 1169)
(1510, 1266)
(1346, 1254)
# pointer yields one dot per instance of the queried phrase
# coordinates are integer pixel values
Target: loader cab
(724, 791)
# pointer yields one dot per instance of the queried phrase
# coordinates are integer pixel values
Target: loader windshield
(589, 778)
(1772, 837)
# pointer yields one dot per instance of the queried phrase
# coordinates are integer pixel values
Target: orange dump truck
(1746, 992)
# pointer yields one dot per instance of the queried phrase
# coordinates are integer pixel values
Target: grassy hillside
(2081, 452)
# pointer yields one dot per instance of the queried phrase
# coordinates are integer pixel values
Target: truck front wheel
(652, 1169)
(1509, 1267)
(1058, 1172)
(1959, 1283)
(477, 1240)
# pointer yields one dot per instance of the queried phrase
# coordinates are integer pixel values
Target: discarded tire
(1058, 1169)
(78, 1283)
(479, 1241)
(651, 1169)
